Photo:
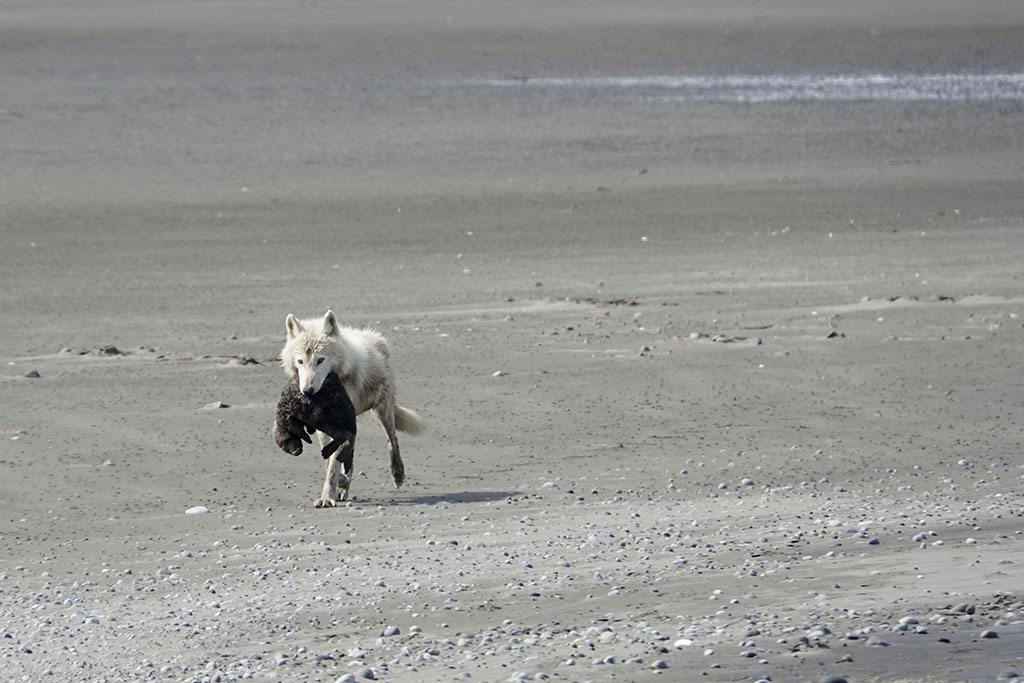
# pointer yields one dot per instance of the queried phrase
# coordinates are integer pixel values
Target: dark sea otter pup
(328, 410)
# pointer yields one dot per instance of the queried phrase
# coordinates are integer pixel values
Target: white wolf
(313, 349)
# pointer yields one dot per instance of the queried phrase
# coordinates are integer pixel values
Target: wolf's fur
(316, 347)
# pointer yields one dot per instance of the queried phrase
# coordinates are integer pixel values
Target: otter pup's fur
(329, 411)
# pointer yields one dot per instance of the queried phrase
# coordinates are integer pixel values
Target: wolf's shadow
(457, 497)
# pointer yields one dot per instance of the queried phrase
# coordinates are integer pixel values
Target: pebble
(33, 374)
(367, 673)
(875, 641)
(391, 631)
(989, 634)
(833, 678)
(216, 405)
(659, 664)
(197, 510)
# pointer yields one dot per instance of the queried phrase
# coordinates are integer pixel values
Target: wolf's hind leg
(386, 415)
(336, 481)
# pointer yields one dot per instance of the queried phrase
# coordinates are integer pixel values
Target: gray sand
(646, 457)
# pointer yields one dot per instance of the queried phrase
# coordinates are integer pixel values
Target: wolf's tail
(408, 421)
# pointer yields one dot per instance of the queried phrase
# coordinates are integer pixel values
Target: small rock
(989, 634)
(367, 673)
(875, 641)
(216, 405)
(197, 510)
(498, 373)
(33, 374)
(391, 631)
(833, 678)
(659, 664)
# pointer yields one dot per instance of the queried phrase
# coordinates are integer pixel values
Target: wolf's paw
(325, 502)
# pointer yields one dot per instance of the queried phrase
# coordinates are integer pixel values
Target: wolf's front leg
(336, 482)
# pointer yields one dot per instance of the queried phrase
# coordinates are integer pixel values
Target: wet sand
(715, 390)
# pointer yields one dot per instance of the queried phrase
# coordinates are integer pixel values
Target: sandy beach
(714, 312)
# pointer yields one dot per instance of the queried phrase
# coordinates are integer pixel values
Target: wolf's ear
(293, 326)
(331, 326)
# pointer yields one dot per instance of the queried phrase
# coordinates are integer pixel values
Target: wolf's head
(309, 351)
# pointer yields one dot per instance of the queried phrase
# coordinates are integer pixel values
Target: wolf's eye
(319, 360)
(298, 361)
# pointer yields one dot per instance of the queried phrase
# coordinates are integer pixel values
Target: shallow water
(877, 87)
